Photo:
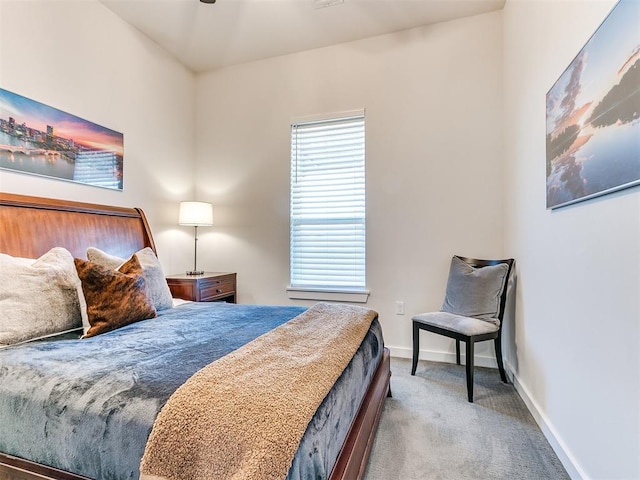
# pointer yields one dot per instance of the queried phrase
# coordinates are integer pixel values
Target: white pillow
(159, 292)
(38, 298)
(179, 301)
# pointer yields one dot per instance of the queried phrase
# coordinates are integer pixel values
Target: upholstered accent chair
(472, 311)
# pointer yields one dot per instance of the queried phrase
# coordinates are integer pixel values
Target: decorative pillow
(156, 282)
(115, 298)
(38, 298)
(475, 292)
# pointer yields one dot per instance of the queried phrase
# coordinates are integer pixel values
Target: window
(327, 216)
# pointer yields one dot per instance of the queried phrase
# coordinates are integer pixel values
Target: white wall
(574, 347)
(433, 101)
(79, 57)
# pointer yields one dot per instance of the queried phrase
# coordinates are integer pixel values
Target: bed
(346, 418)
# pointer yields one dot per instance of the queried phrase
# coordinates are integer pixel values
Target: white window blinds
(328, 235)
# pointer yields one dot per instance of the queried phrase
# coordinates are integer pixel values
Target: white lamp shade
(196, 214)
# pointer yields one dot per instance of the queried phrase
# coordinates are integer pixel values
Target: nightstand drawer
(220, 289)
(208, 287)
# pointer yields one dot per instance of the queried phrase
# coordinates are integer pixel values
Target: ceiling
(209, 36)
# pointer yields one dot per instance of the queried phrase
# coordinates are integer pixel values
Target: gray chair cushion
(456, 323)
(475, 292)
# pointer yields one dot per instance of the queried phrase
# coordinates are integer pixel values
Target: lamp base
(195, 272)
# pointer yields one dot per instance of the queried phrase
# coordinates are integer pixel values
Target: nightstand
(208, 287)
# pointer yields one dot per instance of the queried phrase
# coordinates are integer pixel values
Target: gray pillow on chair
(475, 292)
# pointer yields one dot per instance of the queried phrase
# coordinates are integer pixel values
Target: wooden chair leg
(458, 352)
(469, 351)
(416, 347)
(503, 374)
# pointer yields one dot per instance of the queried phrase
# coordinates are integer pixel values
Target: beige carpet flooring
(428, 430)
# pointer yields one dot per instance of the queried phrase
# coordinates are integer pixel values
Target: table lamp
(195, 214)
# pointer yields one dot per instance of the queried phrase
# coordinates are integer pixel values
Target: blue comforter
(88, 406)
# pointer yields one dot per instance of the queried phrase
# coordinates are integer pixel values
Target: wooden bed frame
(30, 226)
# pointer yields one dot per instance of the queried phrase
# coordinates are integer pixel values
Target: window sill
(359, 296)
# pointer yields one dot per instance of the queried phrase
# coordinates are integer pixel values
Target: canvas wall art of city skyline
(41, 140)
(593, 114)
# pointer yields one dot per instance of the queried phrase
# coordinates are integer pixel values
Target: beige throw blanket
(243, 416)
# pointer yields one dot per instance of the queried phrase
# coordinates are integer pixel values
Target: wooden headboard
(31, 226)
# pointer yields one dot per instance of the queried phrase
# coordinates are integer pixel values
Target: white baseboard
(559, 447)
(562, 451)
(446, 357)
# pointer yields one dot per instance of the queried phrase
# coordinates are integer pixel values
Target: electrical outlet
(399, 308)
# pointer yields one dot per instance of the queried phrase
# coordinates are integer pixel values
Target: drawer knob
(219, 290)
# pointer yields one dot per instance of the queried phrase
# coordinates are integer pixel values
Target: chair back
(479, 263)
